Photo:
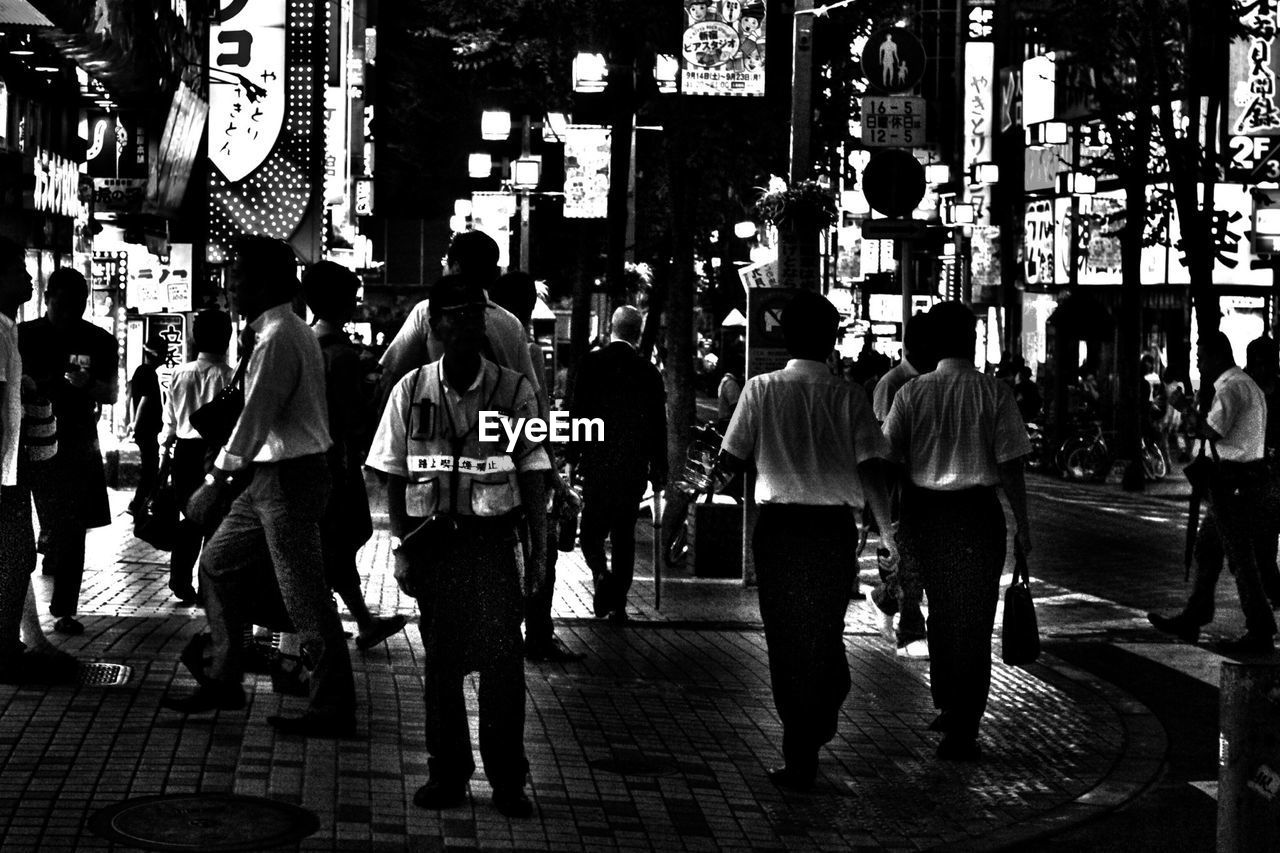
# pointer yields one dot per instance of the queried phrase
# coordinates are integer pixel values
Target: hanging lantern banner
(491, 213)
(246, 86)
(586, 171)
(722, 49)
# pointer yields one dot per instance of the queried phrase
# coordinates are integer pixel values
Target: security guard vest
(451, 471)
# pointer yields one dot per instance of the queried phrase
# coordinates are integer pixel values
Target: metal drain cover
(213, 822)
(103, 674)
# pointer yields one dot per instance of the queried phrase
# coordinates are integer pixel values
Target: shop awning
(20, 13)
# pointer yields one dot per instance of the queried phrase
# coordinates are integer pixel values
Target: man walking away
(193, 384)
(959, 434)
(1235, 429)
(283, 433)
(145, 417)
(73, 363)
(454, 501)
(817, 454)
(626, 392)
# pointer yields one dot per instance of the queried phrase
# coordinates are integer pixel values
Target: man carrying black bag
(283, 433)
(454, 498)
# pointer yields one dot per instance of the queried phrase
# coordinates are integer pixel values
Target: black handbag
(1207, 473)
(217, 418)
(1020, 637)
(156, 521)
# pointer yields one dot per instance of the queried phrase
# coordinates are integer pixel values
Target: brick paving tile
(658, 740)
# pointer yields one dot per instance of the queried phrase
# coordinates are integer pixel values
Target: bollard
(1249, 757)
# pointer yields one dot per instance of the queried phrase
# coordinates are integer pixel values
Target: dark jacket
(618, 386)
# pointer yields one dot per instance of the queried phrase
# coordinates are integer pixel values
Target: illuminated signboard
(1253, 109)
(586, 171)
(246, 85)
(1038, 244)
(56, 184)
(263, 117)
(179, 146)
(979, 119)
(1039, 90)
(491, 213)
(722, 48)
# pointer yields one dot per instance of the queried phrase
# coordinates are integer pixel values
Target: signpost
(892, 121)
(893, 60)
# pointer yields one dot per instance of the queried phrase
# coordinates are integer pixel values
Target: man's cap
(456, 291)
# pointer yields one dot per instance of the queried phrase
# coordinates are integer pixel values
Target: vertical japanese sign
(1253, 110)
(586, 171)
(491, 213)
(246, 40)
(1038, 244)
(265, 133)
(979, 120)
(722, 48)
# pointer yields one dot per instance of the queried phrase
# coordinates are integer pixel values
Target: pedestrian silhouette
(888, 61)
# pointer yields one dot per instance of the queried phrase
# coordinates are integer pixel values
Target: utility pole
(802, 92)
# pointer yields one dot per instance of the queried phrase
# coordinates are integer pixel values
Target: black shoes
(69, 626)
(312, 724)
(959, 748)
(382, 628)
(619, 616)
(211, 696)
(433, 795)
(602, 595)
(1179, 626)
(186, 597)
(552, 651)
(792, 778)
(942, 723)
(510, 802)
(1249, 644)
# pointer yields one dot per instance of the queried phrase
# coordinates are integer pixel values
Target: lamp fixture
(984, 173)
(479, 165)
(744, 230)
(666, 72)
(555, 127)
(462, 207)
(937, 173)
(1045, 133)
(590, 72)
(495, 125)
(526, 173)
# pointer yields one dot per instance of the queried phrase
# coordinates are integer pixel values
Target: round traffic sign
(893, 182)
(893, 60)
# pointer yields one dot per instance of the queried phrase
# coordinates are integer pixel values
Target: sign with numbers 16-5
(892, 121)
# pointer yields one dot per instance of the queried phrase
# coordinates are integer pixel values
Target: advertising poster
(722, 48)
(1038, 244)
(586, 171)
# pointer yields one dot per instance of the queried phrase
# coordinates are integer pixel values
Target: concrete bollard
(1249, 757)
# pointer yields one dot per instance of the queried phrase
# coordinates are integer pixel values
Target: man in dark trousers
(145, 417)
(279, 444)
(817, 453)
(624, 391)
(959, 435)
(455, 498)
(73, 363)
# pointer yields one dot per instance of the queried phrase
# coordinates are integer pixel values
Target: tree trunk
(622, 96)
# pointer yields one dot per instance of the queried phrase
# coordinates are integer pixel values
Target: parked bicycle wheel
(1087, 462)
(1154, 465)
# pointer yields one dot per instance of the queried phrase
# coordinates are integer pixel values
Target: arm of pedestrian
(875, 482)
(1015, 489)
(400, 525)
(533, 494)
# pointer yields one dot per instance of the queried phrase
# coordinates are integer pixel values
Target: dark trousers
(1240, 527)
(70, 496)
(189, 466)
(275, 525)
(148, 467)
(17, 560)
(609, 509)
(955, 541)
(448, 735)
(538, 625)
(803, 556)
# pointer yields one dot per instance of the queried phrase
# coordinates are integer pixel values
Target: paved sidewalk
(658, 740)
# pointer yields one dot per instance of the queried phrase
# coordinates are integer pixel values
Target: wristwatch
(396, 544)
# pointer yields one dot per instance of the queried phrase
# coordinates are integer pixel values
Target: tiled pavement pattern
(658, 740)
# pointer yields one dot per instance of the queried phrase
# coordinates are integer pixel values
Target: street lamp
(495, 125)
(479, 165)
(1046, 133)
(985, 173)
(937, 173)
(590, 72)
(1075, 183)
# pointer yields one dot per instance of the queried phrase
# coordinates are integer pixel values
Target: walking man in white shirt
(960, 436)
(817, 454)
(283, 433)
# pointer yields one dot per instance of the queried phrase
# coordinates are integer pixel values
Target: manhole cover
(103, 674)
(633, 765)
(203, 822)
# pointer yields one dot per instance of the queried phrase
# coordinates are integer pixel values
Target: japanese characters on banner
(335, 146)
(117, 162)
(491, 213)
(1038, 244)
(1063, 234)
(246, 39)
(979, 120)
(586, 171)
(722, 49)
(55, 184)
(1253, 108)
(158, 285)
(266, 57)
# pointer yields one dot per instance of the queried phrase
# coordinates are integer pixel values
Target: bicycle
(1087, 456)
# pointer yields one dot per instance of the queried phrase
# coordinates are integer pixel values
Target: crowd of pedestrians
(276, 508)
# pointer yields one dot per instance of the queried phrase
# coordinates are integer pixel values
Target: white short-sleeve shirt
(11, 404)
(1239, 415)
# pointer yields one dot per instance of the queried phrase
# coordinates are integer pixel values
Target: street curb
(1136, 769)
